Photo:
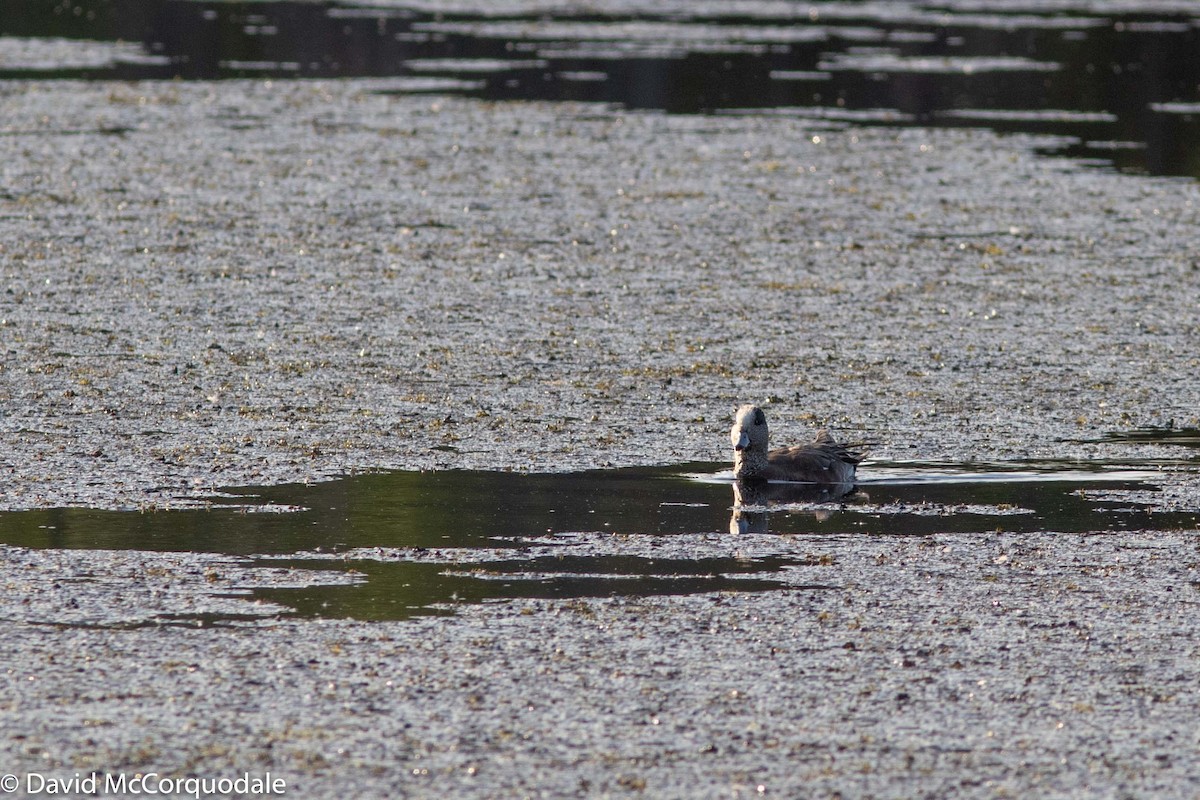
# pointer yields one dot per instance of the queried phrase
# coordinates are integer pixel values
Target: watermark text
(150, 784)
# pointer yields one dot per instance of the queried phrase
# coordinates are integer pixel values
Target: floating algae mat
(424, 542)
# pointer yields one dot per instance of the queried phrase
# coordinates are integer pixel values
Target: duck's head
(749, 433)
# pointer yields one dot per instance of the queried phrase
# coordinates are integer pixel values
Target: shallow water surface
(1119, 83)
(423, 542)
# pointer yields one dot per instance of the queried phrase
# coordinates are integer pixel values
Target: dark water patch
(387, 509)
(1120, 85)
(927, 498)
(420, 543)
(399, 589)
(1170, 435)
(198, 620)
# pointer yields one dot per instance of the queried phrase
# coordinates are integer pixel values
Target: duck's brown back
(823, 461)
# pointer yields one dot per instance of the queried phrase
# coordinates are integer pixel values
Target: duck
(823, 461)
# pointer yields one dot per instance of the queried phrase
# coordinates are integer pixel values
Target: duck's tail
(850, 453)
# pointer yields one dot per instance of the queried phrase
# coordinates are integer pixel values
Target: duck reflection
(752, 501)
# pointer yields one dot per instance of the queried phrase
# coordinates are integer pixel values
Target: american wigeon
(823, 461)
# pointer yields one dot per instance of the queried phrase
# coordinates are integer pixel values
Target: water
(1179, 437)
(423, 543)
(1118, 85)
